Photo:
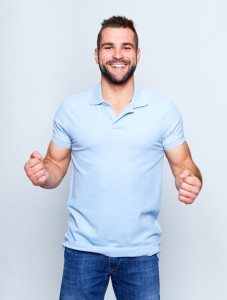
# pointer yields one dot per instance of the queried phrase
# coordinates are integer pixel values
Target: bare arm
(188, 178)
(48, 172)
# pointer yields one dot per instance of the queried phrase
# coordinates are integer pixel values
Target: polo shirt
(116, 173)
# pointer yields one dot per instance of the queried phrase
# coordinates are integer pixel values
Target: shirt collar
(138, 100)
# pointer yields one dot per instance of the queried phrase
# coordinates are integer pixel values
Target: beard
(114, 79)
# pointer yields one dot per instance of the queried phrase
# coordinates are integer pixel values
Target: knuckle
(43, 179)
(199, 185)
(32, 178)
(181, 191)
(184, 184)
(197, 191)
(189, 180)
(29, 173)
(180, 197)
(34, 160)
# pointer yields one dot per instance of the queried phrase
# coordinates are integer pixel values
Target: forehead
(117, 35)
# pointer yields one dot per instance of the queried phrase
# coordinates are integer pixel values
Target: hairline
(120, 27)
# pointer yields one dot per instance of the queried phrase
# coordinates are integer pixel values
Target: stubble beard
(112, 78)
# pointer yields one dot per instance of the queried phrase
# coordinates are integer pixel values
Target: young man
(116, 136)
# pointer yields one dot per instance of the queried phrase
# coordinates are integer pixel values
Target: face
(117, 56)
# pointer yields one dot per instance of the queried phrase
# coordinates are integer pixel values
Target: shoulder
(157, 101)
(76, 100)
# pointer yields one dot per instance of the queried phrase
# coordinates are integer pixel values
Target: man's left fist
(189, 187)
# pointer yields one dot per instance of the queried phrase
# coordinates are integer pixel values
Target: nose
(117, 53)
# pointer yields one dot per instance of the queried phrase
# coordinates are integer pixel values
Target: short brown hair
(118, 22)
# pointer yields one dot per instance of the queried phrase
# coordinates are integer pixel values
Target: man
(116, 136)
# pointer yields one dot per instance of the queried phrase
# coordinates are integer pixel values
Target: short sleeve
(173, 132)
(60, 132)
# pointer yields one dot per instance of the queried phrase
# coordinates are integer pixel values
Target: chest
(107, 129)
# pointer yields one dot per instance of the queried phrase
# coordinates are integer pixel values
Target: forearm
(188, 179)
(48, 172)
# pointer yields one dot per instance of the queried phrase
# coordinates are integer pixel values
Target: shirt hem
(59, 143)
(115, 251)
(175, 144)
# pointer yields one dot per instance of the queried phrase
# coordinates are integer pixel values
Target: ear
(138, 54)
(96, 54)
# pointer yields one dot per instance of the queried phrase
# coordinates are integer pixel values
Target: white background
(46, 55)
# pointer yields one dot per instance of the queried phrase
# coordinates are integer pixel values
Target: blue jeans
(86, 276)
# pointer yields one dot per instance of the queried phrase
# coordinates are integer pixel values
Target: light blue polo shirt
(116, 177)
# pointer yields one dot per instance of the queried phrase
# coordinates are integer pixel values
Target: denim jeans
(86, 276)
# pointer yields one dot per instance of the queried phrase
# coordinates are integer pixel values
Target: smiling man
(117, 60)
(116, 136)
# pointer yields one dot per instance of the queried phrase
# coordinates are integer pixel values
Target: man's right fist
(34, 169)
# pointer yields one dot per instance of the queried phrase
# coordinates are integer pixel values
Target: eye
(108, 47)
(127, 48)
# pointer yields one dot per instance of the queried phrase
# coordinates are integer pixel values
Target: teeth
(118, 66)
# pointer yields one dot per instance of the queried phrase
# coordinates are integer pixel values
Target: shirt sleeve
(173, 134)
(60, 131)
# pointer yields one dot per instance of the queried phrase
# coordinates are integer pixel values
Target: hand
(34, 169)
(189, 187)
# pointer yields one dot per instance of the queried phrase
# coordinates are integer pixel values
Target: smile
(117, 66)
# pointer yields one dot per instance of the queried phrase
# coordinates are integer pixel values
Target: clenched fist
(34, 169)
(189, 187)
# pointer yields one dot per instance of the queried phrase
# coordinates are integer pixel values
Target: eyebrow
(111, 44)
(106, 44)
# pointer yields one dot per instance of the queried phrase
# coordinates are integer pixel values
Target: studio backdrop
(46, 55)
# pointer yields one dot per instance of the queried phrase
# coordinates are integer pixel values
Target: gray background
(46, 55)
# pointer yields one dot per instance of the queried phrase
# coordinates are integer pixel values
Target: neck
(117, 95)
